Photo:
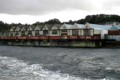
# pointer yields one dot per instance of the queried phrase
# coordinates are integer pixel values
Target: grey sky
(38, 7)
(45, 7)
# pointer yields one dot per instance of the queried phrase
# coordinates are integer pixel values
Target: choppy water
(28, 63)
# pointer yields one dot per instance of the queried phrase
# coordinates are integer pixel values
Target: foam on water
(14, 69)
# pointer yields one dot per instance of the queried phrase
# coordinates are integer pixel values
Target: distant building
(114, 32)
(66, 30)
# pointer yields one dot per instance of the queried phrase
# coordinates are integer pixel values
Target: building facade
(67, 30)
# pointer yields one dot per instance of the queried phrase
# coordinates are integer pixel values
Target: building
(95, 29)
(80, 31)
(114, 32)
(76, 30)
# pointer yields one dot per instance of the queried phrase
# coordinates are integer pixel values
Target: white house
(12, 31)
(76, 29)
(95, 29)
(17, 31)
(65, 30)
(46, 29)
(55, 30)
(38, 30)
(114, 32)
(31, 30)
(23, 30)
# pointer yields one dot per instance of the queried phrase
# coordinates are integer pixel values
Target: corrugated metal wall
(116, 37)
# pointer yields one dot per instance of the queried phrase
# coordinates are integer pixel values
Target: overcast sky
(30, 11)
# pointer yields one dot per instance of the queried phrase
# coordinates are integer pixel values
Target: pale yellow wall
(81, 32)
(54, 34)
(97, 31)
(70, 32)
(33, 33)
(41, 32)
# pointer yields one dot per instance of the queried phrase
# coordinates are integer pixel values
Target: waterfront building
(95, 29)
(23, 30)
(38, 30)
(46, 29)
(12, 31)
(114, 32)
(55, 30)
(17, 31)
(76, 30)
(65, 30)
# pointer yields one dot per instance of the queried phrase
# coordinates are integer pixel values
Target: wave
(14, 69)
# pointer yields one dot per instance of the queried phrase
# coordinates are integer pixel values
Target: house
(65, 30)
(12, 31)
(38, 30)
(95, 29)
(23, 30)
(31, 30)
(114, 32)
(55, 30)
(76, 29)
(17, 31)
(46, 29)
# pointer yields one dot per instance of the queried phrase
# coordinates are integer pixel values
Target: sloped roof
(118, 26)
(68, 26)
(33, 27)
(79, 26)
(24, 27)
(115, 27)
(18, 28)
(40, 26)
(101, 27)
(49, 26)
(58, 25)
(13, 28)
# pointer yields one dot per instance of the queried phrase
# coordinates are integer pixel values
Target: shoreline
(65, 47)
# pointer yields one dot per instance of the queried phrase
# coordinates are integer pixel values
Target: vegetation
(100, 19)
(95, 19)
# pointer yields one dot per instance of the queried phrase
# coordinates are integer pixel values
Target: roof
(24, 28)
(100, 27)
(39, 26)
(115, 27)
(67, 26)
(79, 25)
(13, 28)
(58, 25)
(49, 26)
(18, 28)
(33, 27)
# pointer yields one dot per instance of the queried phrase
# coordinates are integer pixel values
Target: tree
(53, 21)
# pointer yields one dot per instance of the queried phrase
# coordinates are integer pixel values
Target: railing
(85, 37)
(48, 37)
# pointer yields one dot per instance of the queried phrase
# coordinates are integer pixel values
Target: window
(37, 33)
(29, 33)
(11, 33)
(64, 27)
(54, 32)
(64, 30)
(87, 32)
(17, 33)
(75, 32)
(23, 33)
(45, 32)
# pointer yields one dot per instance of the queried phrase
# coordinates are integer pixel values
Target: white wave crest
(14, 69)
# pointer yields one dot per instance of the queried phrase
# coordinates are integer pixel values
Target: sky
(31, 11)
